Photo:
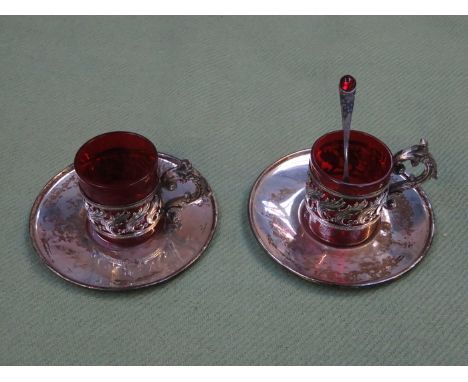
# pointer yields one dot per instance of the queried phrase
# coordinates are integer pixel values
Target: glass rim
(101, 136)
(317, 168)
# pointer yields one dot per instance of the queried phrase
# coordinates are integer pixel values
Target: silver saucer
(62, 239)
(277, 217)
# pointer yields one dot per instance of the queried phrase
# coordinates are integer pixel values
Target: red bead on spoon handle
(347, 90)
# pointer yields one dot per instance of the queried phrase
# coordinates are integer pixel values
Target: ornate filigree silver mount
(124, 222)
(342, 210)
(135, 220)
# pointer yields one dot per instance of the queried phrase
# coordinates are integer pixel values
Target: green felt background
(232, 94)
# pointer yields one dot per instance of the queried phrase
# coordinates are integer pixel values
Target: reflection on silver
(278, 218)
(58, 229)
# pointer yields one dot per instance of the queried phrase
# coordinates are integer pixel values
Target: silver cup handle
(416, 155)
(182, 173)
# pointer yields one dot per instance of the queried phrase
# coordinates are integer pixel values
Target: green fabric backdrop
(232, 94)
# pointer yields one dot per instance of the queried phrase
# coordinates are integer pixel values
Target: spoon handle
(347, 90)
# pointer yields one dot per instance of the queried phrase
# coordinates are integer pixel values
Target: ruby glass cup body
(348, 213)
(118, 178)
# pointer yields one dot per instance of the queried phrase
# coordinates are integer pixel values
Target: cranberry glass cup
(347, 213)
(118, 178)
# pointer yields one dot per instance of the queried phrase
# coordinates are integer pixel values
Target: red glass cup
(348, 213)
(118, 178)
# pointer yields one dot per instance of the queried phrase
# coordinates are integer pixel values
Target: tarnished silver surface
(71, 249)
(278, 218)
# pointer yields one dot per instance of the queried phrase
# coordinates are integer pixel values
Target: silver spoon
(347, 90)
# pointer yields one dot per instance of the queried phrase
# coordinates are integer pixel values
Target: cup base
(337, 236)
(117, 244)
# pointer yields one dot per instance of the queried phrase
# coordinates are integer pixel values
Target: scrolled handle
(182, 173)
(416, 154)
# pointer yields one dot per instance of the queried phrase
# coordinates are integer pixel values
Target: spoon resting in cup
(347, 90)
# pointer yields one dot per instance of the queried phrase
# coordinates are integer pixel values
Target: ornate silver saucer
(278, 219)
(71, 249)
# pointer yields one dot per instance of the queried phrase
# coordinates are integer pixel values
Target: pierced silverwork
(125, 221)
(342, 211)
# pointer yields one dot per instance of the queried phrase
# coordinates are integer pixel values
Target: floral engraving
(342, 210)
(125, 222)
